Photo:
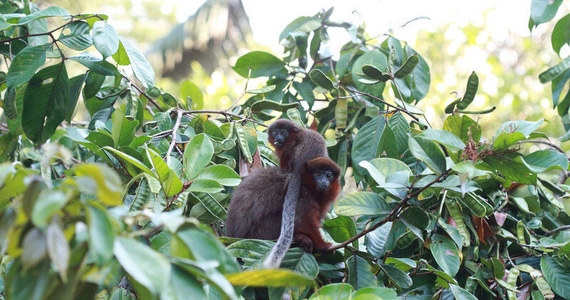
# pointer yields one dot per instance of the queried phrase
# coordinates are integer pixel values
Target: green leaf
(197, 155)
(222, 174)
(25, 64)
(360, 273)
(376, 59)
(445, 254)
(101, 234)
(542, 11)
(511, 170)
(261, 64)
(139, 64)
(460, 293)
(461, 126)
(137, 163)
(524, 127)
(542, 160)
(444, 137)
(171, 184)
(78, 37)
(181, 285)
(561, 34)
(269, 278)
(269, 104)
(366, 142)
(75, 85)
(205, 247)
(146, 266)
(52, 11)
(210, 203)
(318, 77)
(301, 24)
(262, 90)
(123, 130)
(105, 38)
(335, 291)
(415, 216)
(58, 248)
(506, 139)
(557, 275)
(341, 229)
(45, 104)
(95, 64)
(101, 181)
(428, 152)
(397, 276)
(553, 72)
(205, 186)
(383, 293)
(47, 204)
(470, 91)
(121, 56)
(390, 174)
(377, 241)
(362, 203)
(189, 90)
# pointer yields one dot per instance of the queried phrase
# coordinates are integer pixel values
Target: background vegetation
(130, 201)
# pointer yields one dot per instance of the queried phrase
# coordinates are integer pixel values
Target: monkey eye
(284, 132)
(329, 174)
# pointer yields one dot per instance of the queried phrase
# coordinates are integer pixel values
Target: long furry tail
(280, 248)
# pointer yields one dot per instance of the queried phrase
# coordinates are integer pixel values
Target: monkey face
(323, 179)
(279, 136)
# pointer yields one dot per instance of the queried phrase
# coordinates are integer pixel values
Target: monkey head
(321, 173)
(282, 131)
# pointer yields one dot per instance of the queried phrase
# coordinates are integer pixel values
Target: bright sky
(268, 18)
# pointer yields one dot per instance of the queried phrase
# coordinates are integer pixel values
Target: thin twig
(143, 93)
(544, 143)
(224, 113)
(383, 101)
(553, 231)
(174, 130)
(393, 214)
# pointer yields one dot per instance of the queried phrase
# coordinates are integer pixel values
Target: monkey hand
(304, 242)
(323, 248)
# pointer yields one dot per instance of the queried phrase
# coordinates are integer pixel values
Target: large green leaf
(511, 169)
(362, 203)
(261, 64)
(557, 275)
(47, 204)
(376, 59)
(78, 37)
(444, 137)
(58, 248)
(25, 64)
(334, 290)
(206, 247)
(137, 163)
(45, 104)
(461, 293)
(171, 184)
(428, 152)
(301, 24)
(52, 11)
(561, 34)
(463, 127)
(542, 11)
(197, 155)
(341, 229)
(222, 174)
(397, 276)
(445, 253)
(139, 64)
(542, 160)
(105, 38)
(123, 130)
(191, 92)
(75, 85)
(101, 234)
(365, 145)
(360, 273)
(95, 64)
(101, 181)
(146, 266)
(269, 278)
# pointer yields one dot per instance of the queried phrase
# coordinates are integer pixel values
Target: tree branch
(174, 130)
(383, 101)
(393, 214)
(553, 231)
(224, 113)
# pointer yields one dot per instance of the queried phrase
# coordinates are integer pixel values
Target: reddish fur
(287, 151)
(313, 206)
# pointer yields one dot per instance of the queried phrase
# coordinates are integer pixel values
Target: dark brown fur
(257, 205)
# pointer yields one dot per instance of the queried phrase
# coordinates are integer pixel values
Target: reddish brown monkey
(256, 206)
(294, 146)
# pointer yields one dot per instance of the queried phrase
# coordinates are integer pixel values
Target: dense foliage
(133, 201)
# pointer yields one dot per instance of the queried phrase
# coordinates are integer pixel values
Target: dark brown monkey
(294, 146)
(256, 206)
